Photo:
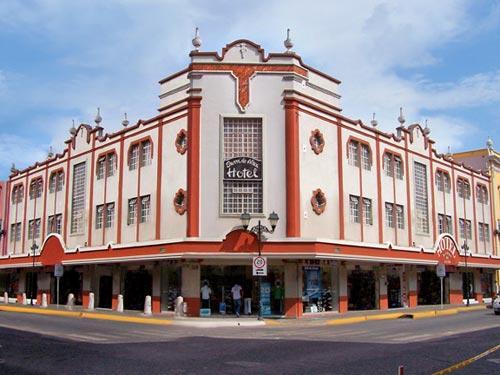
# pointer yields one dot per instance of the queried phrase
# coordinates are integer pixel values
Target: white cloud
(19, 150)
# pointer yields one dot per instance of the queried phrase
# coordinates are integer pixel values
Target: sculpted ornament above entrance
(447, 250)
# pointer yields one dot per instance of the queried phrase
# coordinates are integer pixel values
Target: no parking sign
(259, 266)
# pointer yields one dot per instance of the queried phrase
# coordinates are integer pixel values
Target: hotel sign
(243, 169)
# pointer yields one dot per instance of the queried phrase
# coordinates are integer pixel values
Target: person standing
(206, 292)
(278, 294)
(237, 292)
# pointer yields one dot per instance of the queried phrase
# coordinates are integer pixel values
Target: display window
(361, 290)
(170, 286)
(487, 284)
(318, 289)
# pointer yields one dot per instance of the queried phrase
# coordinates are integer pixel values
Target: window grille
(36, 188)
(354, 153)
(421, 198)
(389, 215)
(145, 208)
(52, 183)
(110, 165)
(400, 216)
(242, 138)
(484, 234)
(110, 215)
(387, 165)
(15, 232)
(31, 228)
(100, 167)
(78, 198)
(132, 208)
(465, 229)
(445, 224)
(367, 211)
(482, 194)
(134, 157)
(99, 216)
(145, 153)
(463, 188)
(366, 157)
(398, 166)
(60, 181)
(354, 209)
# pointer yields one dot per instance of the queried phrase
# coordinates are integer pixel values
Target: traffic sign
(58, 270)
(441, 270)
(259, 266)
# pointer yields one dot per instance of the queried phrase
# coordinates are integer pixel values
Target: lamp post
(259, 229)
(34, 248)
(465, 248)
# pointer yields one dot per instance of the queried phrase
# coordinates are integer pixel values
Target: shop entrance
(222, 278)
(429, 288)
(361, 290)
(70, 282)
(105, 291)
(394, 290)
(138, 285)
(31, 285)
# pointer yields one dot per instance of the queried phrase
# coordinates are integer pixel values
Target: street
(48, 344)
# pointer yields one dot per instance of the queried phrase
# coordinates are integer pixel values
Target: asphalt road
(56, 345)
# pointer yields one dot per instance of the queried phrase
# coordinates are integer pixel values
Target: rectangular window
(78, 198)
(52, 183)
(59, 223)
(354, 153)
(60, 181)
(37, 228)
(12, 232)
(421, 198)
(400, 216)
(482, 194)
(465, 229)
(443, 181)
(367, 211)
(134, 157)
(242, 138)
(54, 224)
(463, 188)
(398, 167)
(15, 232)
(132, 209)
(445, 225)
(51, 224)
(110, 215)
(145, 153)
(31, 229)
(484, 234)
(366, 157)
(100, 167)
(354, 209)
(387, 165)
(145, 208)
(36, 189)
(99, 212)
(110, 165)
(389, 215)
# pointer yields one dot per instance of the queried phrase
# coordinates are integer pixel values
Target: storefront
(394, 287)
(319, 288)
(137, 285)
(70, 282)
(429, 287)
(362, 289)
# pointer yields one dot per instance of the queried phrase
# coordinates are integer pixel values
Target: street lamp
(465, 248)
(34, 248)
(259, 229)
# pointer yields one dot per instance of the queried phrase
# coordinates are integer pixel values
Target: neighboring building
(154, 209)
(488, 161)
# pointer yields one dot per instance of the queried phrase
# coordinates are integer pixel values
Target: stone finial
(13, 168)
(489, 143)
(72, 130)
(196, 40)
(401, 117)
(427, 130)
(98, 118)
(373, 121)
(288, 42)
(125, 121)
(50, 154)
(448, 154)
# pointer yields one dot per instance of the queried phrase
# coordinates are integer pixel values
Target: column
(343, 300)
(116, 286)
(22, 288)
(412, 287)
(155, 298)
(86, 285)
(478, 291)
(193, 167)
(383, 300)
(456, 295)
(43, 287)
(293, 291)
(190, 288)
(292, 149)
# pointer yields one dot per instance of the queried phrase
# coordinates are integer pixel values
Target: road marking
(85, 337)
(467, 362)
(413, 338)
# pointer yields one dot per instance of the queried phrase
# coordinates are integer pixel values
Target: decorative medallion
(317, 141)
(180, 201)
(181, 142)
(318, 201)
(447, 250)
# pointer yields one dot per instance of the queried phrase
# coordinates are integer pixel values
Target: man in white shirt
(205, 295)
(237, 292)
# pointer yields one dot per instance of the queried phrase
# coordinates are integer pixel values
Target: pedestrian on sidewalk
(237, 292)
(206, 292)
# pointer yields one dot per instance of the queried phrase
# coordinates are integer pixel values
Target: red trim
(343, 304)
(25, 208)
(292, 169)
(91, 194)
(408, 198)
(66, 196)
(159, 170)
(193, 306)
(6, 238)
(317, 101)
(433, 199)
(156, 304)
(412, 299)
(383, 302)
(46, 192)
(193, 167)
(473, 197)
(341, 182)
(293, 307)
(120, 194)
(454, 196)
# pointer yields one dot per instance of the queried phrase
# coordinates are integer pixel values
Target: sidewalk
(421, 312)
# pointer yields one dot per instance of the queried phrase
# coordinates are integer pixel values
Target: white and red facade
(346, 194)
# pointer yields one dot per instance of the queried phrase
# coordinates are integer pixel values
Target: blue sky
(59, 60)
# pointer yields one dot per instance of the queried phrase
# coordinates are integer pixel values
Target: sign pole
(441, 292)
(57, 292)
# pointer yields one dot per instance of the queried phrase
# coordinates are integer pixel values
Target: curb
(86, 315)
